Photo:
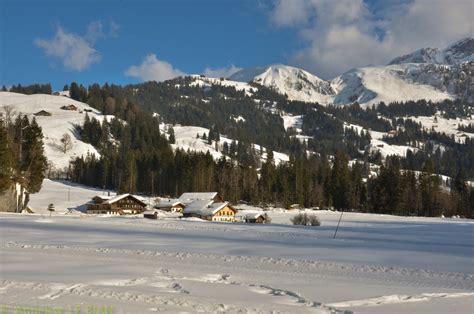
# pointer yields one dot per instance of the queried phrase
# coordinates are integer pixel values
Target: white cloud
(76, 52)
(340, 35)
(221, 72)
(153, 69)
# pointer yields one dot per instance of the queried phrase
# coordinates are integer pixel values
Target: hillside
(55, 126)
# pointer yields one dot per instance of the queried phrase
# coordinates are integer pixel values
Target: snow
(294, 122)
(446, 126)
(137, 265)
(296, 83)
(459, 52)
(239, 119)
(206, 82)
(185, 139)
(376, 264)
(371, 85)
(64, 195)
(55, 126)
(389, 150)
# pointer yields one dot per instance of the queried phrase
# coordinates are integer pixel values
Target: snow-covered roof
(122, 196)
(167, 202)
(204, 207)
(197, 196)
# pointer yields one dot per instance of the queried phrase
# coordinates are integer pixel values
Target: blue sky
(131, 41)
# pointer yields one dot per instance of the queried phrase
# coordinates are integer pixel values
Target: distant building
(43, 113)
(69, 107)
(124, 204)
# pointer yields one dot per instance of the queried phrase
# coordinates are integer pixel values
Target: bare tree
(8, 114)
(66, 143)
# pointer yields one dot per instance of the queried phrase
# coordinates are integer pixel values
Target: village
(209, 206)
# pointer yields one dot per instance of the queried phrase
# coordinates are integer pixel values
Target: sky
(131, 41)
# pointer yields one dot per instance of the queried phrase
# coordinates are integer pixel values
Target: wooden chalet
(210, 196)
(222, 212)
(43, 113)
(170, 205)
(208, 206)
(69, 107)
(125, 204)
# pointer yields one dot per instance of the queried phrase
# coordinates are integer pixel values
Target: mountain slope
(296, 83)
(55, 126)
(459, 52)
(429, 73)
(371, 85)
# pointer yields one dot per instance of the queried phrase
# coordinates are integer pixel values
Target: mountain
(296, 83)
(459, 52)
(371, 85)
(429, 73)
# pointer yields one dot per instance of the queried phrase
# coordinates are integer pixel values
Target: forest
(138, 158)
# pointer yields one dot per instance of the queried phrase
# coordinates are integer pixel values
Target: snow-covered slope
(429, 73)
(65, 196)
(186, 139)
(296, 83)
(459, 52)
(204, 82)
(55, 126)
(371, 85)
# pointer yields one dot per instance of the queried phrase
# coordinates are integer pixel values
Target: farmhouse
(210, 211)
(69, 107)
(43, 113)
(208, 196)
(168, 204)
(118, 205)
(208, 206)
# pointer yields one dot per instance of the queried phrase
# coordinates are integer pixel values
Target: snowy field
(377, 264)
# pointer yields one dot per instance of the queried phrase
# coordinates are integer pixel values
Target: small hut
(43, 113)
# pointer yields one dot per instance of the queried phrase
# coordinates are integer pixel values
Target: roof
(204, 207)
(255, 215)
(167, 202)
(186, 197)
(122, 196)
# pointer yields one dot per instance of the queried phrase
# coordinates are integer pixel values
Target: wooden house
(43, 113)
(206, 210)
(195, 196)
(69, 107)
(256, 218)
(118, 205)
(170, 205)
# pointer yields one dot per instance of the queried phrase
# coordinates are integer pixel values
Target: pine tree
(171, 137)
(34, 161)
(339, 181)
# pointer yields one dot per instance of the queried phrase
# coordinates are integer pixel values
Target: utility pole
(340, 217)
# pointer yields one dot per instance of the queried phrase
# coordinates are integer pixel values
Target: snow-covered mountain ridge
(429, 73)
